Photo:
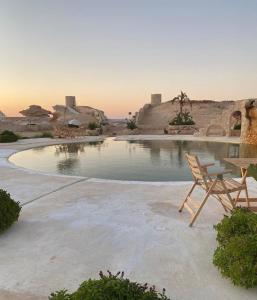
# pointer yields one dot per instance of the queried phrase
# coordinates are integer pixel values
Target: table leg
(244, 176)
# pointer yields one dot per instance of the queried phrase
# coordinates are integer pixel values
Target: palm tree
(182, 99)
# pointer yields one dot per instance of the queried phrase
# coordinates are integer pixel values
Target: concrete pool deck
(70, 228)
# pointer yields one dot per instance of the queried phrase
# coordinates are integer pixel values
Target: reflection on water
(134, 160)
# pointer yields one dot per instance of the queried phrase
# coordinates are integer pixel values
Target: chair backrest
(197, 171)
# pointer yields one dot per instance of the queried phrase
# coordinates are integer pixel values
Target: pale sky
(112, 54)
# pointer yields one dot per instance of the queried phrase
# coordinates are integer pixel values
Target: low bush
(237, 260)
(92, 125)
(236, 254)
(241, 221)
(110, 287)
(183, 118)
(8, 137)
(9, 210)
(131, 124)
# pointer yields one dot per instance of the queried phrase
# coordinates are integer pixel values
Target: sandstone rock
(74, 122)
(83, 114)
(62, 109)
(35, 111)
(2, 115)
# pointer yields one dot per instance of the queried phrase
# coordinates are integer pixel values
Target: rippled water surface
(124, 160)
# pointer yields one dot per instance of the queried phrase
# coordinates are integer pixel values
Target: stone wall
(211, 117)
(25, 124)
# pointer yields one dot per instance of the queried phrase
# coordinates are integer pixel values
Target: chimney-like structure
(70, 101)
(156, 99)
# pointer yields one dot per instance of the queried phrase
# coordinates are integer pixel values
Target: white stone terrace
(70, 228)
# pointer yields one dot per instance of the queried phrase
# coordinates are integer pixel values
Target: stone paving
(70, 228)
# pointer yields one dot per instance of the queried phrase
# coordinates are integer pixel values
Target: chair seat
(230, 184)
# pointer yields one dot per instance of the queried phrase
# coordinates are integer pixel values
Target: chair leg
(220, 200)
(247, 197)
(237, 197)
(232, 202)
(199, 209)
(190, 192)
(202, 204)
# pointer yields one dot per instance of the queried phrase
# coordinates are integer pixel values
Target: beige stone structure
(2, 115)
(212, 118)
(38, 119)
(83, 114)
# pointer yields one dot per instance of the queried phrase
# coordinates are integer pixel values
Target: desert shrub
(8, 137)
(236, 254)
(92, 125)
(183, 118)
(110, 287)
(131, 124)
(9, 210)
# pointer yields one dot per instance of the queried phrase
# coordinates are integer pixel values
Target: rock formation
(36, 118)
(2, 115)
(35, 111)
(83, 114)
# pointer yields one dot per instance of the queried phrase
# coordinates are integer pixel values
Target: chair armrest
(219, 174)
(207, 165)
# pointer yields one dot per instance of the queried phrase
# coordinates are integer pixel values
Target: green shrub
(92, 125)
(238, 260)
(110, 287)
(9, 210)
(131, 124)
(236, 255)
(183, 118)
(241, 221)
(8, 137)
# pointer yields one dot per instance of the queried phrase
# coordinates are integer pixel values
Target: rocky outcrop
(35, 111)
(83, 114)
(2, 115)
(36, 118)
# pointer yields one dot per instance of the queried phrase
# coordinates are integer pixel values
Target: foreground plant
(9, 210)
(236, 254)
(110, 287)
(8, 137)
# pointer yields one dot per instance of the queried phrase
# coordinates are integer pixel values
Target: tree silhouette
(182, 99)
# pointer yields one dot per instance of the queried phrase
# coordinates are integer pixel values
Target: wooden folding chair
(214, 185)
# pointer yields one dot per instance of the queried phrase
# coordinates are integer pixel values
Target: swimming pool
(130, 160)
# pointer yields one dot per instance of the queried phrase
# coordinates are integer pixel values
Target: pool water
(130, 160)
